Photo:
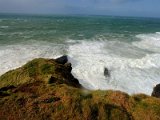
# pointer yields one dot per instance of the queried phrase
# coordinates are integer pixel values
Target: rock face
(62, 60)
(68, 66)
(44, 89)
(156, 91)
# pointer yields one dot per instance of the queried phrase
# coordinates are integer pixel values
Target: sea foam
(13, 56)
(149, 42)
(134, 67)
(131, 75)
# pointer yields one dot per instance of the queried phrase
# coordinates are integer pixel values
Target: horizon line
(79, 14)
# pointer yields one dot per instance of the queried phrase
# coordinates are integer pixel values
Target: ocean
(128, 46)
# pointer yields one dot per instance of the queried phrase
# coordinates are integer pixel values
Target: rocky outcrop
(156, 91)
(47, 70)
(44, 89)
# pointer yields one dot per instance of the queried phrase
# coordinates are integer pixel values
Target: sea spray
(132, 75)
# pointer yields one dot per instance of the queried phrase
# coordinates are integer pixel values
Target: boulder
(156, 91)
(62, 60)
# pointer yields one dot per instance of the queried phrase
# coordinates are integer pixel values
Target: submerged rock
(156, 91)
(106, 72)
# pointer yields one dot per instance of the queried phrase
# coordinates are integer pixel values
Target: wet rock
(156, 91)
(62, 60)
(106, 72)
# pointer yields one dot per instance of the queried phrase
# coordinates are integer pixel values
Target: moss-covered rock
(44, 89)
(46, 70)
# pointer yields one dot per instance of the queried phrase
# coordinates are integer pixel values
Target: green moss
(37, 69)
(60, 107)
(32, 71)
(47, 68)
(143, 105)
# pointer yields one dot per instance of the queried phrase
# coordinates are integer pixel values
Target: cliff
(45, 89)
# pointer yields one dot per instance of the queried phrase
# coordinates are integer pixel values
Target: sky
(143, 8)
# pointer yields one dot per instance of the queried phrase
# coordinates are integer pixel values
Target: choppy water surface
(128, 47)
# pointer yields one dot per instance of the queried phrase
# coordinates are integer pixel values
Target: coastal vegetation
(45, 89)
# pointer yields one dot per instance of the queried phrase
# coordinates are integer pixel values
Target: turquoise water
(59, 28)
(128, 46)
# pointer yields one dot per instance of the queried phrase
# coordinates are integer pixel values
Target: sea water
(128, 47)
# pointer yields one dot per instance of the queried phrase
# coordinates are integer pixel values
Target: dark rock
(75, 82)
(68, 66)
(156, 91)
(62, 60)
(106, 72)
(52, 80)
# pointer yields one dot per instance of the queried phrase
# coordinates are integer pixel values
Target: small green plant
(46, 68)
(60, 107)
(32, 69)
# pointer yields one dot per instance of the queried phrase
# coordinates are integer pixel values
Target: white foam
(158, 32)
(132, 69)
(149, 41)
(131, 75)
(13, 56)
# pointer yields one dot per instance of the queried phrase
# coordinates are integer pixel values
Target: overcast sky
(149, 8)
